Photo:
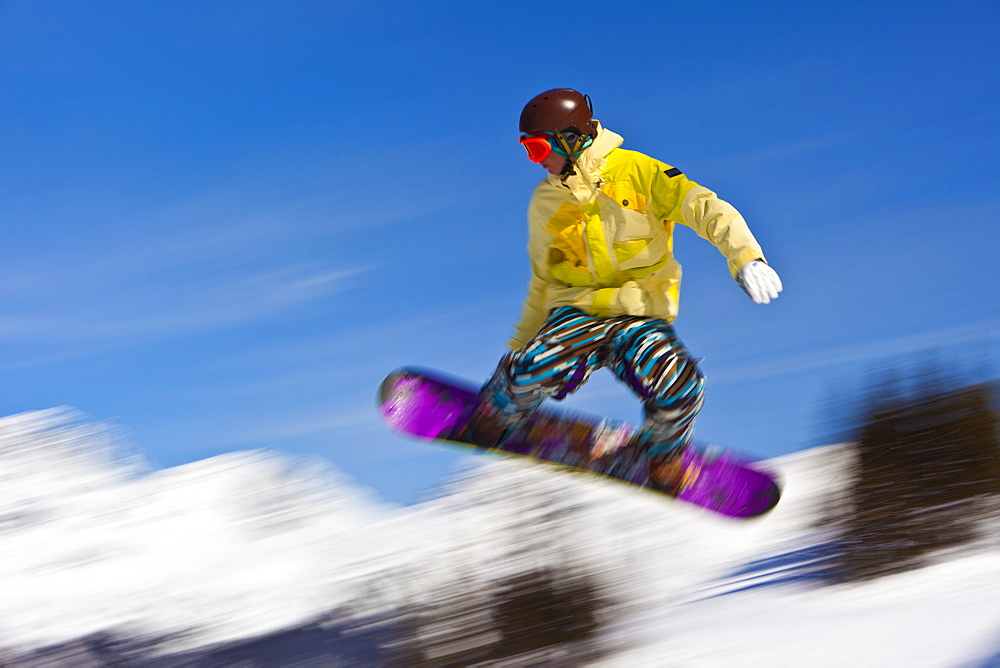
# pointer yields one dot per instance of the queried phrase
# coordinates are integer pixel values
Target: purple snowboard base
(432, 406)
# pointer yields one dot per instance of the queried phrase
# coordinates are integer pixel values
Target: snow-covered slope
(183, 561)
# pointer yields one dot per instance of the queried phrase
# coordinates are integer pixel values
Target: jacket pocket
(635, 253)
(637, 241)
(626, 197)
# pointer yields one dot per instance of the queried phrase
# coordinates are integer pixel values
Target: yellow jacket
(603, 240)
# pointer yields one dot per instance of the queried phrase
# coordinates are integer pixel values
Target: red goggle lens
(538, 148)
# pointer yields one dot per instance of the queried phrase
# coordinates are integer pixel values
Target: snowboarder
(605, 285)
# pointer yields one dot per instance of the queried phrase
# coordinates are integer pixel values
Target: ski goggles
(538, 146)
(541, 145)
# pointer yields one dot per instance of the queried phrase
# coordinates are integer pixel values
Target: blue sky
(225, 222)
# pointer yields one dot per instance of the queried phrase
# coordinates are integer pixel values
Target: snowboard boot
(489, 426)
(663, 450)
(664, 438)
(500, 410)
(670, 474)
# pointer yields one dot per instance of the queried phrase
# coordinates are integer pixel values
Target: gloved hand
(759, 281)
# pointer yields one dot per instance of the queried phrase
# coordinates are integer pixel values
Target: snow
(945, 615)
(92, 540)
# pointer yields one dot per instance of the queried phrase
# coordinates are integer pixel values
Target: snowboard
(430, 405)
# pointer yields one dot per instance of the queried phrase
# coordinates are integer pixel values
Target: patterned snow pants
(644, 353)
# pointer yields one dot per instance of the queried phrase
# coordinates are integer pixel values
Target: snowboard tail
(430, 405)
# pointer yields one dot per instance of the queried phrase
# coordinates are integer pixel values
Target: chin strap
(567, 170)
(579, 143)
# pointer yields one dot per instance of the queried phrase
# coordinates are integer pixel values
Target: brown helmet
(557, 110)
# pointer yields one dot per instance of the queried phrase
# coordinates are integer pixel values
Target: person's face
(539, 144)
(554, 163)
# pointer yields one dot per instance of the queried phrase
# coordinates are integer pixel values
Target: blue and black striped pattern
(644, 353)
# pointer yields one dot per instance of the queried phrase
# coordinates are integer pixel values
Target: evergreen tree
(926, 475)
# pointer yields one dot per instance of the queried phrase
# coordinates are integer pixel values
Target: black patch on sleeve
(672, 172)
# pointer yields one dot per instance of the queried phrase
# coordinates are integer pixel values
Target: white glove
(759, 281)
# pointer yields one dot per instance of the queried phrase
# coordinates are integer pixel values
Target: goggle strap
(563, 148)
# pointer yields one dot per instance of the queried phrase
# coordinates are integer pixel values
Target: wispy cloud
(789, 150)
(986, 332)
(109, 310)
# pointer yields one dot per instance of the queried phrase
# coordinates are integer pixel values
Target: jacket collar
(586, 182)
